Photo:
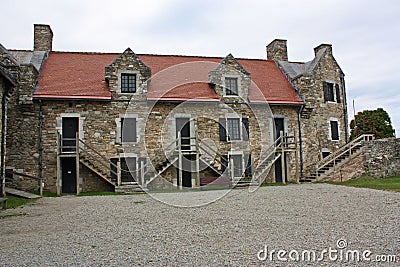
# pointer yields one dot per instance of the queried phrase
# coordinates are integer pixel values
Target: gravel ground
(136, 230)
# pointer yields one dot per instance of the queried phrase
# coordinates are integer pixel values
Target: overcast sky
(365, 34)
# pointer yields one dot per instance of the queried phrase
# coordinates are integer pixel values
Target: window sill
(123, 93)
(235, 141)
(231, 96)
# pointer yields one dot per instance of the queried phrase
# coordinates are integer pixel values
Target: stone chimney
(277, 50)
(43, 38)
(322, 46)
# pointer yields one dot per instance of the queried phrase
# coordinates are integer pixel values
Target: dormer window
(128, 83)
(231, 85)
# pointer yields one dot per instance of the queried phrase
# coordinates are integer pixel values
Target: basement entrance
(68, 175)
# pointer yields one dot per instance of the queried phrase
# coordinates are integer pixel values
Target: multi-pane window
(231, 85)
(128, 130)
(334, 130)
(233, 129)
(128, 83)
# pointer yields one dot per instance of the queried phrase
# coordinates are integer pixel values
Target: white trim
(330, 130)
(118, 122)
(239, 84)
(192, 126)
(334, 92)
(231, 165)
(235, 116)
(285, 125)
(137, 73)
(71, 115)
(127, 155)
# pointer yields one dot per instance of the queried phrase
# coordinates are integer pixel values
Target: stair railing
(98, 158)
(213, 154)
(349, 147)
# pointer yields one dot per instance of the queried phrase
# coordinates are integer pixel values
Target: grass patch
(14, 202)
(274, 184)
(389, 183)
(45, 194)
(104, 193)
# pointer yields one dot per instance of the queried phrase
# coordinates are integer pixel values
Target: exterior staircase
(282, 145)
(341, 156)
(207, 155)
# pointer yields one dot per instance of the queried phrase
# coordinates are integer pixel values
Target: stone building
(102, 121)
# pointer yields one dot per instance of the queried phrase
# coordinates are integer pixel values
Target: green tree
(375, 122)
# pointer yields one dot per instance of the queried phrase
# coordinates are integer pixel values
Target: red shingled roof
(70, 75)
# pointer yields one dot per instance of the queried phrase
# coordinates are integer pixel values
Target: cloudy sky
(365, 34)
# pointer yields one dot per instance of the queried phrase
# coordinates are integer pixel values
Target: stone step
(129, 189)
(20, 193)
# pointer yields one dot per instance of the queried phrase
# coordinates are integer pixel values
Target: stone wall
(99, 127)
(377, 158)
(43, 38)
(23, 129)
(316, 115)
(277, 50)
(382, 157)
(91, 182)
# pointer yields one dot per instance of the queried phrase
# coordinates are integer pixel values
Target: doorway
(187, 161)
(183, 127)
(69, 129)
(279, 124)
(68, 175)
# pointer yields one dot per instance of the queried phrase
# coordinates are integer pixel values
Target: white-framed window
(231, 85)
(127, 129)
(128, 82)
(234, 129)
(332, 92)
(233, 126)
(334, 129)
(236, 165)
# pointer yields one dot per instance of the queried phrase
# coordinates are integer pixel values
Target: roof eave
(57, 97)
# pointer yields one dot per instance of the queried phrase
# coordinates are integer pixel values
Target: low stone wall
(382, 157)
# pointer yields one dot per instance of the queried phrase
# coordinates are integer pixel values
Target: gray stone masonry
(382, 157)
(277, 50)
(43, 38)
